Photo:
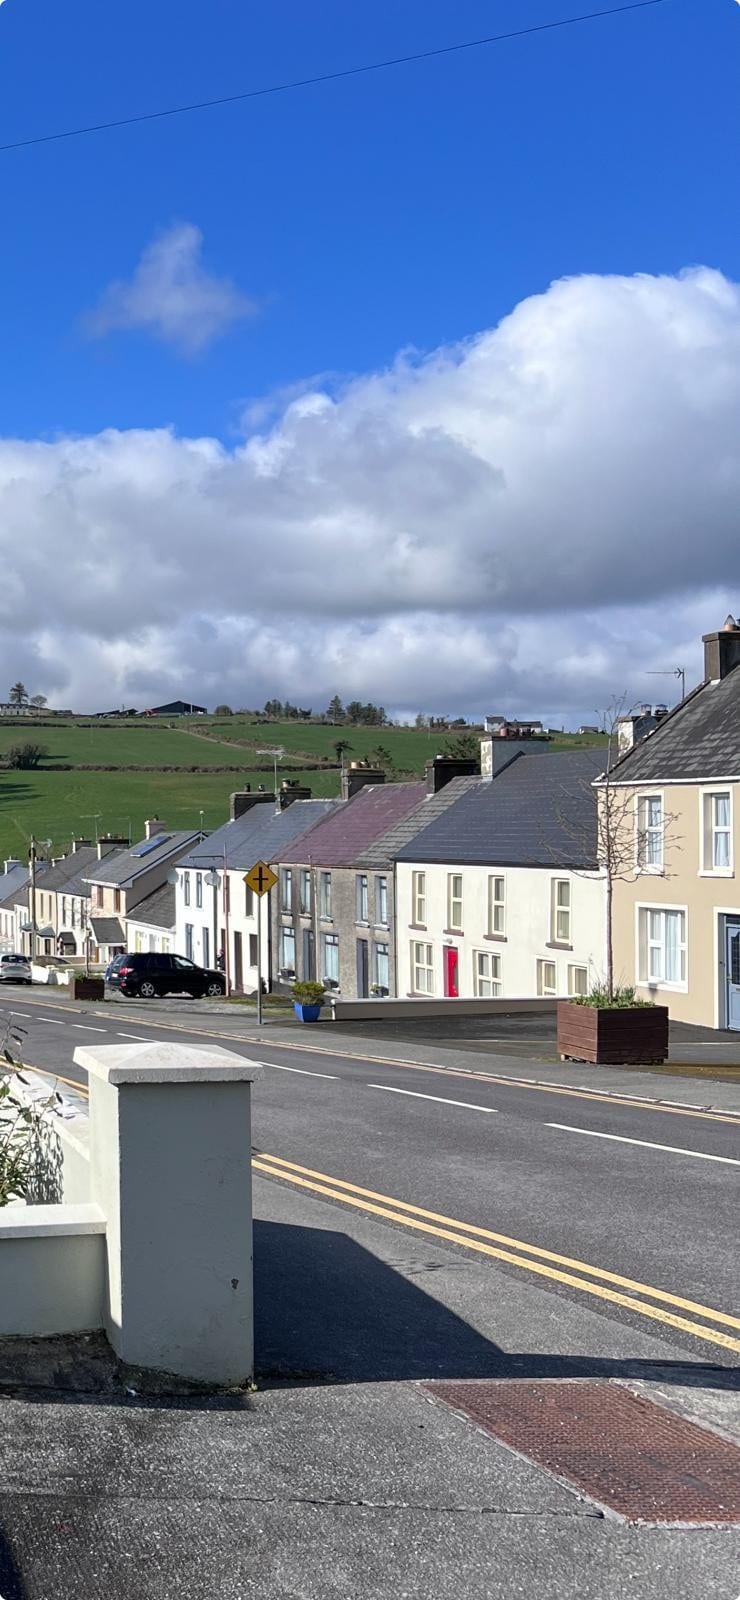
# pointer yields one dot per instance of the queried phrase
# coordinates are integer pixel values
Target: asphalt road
(544, 1180)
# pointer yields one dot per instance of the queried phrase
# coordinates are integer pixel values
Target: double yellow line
(590, 1280)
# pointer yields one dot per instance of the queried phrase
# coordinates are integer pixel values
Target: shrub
(21, 1124)
(623, 999)
(23, 756)
(308, 994)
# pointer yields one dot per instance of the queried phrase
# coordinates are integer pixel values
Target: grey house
(334, 911)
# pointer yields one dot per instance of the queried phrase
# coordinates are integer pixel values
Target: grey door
(732, 960)
(309, 963)
(363, 969)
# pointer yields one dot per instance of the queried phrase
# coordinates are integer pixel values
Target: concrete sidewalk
(344, 1475)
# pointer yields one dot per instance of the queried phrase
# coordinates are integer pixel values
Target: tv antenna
(672, 672)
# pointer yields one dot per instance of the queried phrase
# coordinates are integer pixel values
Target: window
(381, 903)
(189, 940)
(717, 830)
(455, 901)
(547, 981)
(577, 981)
(116, 899)
(286, 889)
(165, 945)
(287, 950)
(138, 942)
(560, 911)
(199, 888)
(305, 891)
(252, 949)
(186, 887)
(382, 966)
(497, 906)
(248, 901)
(650, 832)
(662, 939)
(205, 946)
(325, 895)
(361, 894)
(419, 899)
(486, 974)
(422, 964)
(330, 958)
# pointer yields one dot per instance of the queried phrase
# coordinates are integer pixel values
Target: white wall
(201, 918)
(527, 935)
(144, 936)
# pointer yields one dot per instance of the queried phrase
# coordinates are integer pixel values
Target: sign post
(260, 879)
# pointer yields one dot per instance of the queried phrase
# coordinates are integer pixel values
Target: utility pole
(32, 869)
(259, 952)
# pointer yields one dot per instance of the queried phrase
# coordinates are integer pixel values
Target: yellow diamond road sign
(260, 878)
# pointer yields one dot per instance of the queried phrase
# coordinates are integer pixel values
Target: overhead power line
(331, 77)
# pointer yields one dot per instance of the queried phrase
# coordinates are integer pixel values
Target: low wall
(387, 1009)
(52, 1269)
(56, 977)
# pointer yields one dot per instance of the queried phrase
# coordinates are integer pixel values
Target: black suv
(154, 973)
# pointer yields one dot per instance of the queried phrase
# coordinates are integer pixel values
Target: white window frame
(419, 899)
(422, 962)
(362, 898)
(573, 968)
(544, 989)
(199, 889)
(643, 967)
(384, 946)
(558, 911)
(487, 986)
(304, 891)
(643, 832)
(381, 901)
(455, 902)
(708, 832)
(330, 941)
(186, 888)
(249, 898)
(496, 904)
(287, 934)
(325, 892)
(286, 888)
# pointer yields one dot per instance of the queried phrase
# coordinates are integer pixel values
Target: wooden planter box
(88, 988)
(631, 1037)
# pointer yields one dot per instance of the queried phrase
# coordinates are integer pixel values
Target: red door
(450, 960)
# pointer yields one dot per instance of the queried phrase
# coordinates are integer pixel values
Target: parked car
(154, 973)
(15, 969)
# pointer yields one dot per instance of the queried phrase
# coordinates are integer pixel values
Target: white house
(501, 896)
(151, 924)
(216, 914)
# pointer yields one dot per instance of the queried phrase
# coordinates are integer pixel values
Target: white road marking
(672, 1149)
(53, 1023)
(139, 1037)
(464, 1105)
(25, 1014)
(301, 1071)
(86, 1027)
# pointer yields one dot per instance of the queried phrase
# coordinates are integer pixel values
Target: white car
(15, 969)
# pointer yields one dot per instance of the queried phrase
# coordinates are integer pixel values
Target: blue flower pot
(306, 1013)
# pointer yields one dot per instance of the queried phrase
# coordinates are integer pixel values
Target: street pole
(259, 956)
(32, 867)
(227, 954)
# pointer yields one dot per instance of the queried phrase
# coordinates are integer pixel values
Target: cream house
(676, 917)
(501, 896)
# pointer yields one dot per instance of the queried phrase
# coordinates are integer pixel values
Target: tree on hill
(223, 711)
(341, 746)
(335, 709)
(464, 747)
(38, 701)
(24, 756)
(19, 695)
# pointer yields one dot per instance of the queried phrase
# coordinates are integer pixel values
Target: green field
(59, 804)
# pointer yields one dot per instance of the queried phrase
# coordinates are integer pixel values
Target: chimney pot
(722, 650)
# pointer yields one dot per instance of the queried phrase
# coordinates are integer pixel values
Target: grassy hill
(52, 802)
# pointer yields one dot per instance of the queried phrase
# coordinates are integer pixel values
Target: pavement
(442, 1237)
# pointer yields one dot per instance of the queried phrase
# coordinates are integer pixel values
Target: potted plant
(613, 1029)
(308, 999)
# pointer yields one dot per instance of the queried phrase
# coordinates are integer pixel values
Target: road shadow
(11, 1585)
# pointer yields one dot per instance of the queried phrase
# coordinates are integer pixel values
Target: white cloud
(531, 520)
(171, 296)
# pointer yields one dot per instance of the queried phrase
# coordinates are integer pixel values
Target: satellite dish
(172, 875)
(211, 879)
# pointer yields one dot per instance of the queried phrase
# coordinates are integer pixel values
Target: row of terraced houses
(484, 882)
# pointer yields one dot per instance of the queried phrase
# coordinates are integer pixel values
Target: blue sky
(410, 208)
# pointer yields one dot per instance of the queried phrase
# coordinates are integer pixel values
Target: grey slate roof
(355, 825)
(70, 874)
(126, 866)
(539, 811)
(260, 835)
(385, 849)
(10, 884)
(157, 910)
(107, 930)
(19, 895)
(697, 743)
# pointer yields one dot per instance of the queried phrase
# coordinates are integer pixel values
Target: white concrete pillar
(170, 1138)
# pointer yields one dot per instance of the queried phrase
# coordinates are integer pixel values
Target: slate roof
(107, 930)
(356, 825)
(126, 866)
(70, 875)
(698, 742)
(157, 910)
(385, 849)
(10, 884)
(261, 834)
(539, 811)
(19, 895)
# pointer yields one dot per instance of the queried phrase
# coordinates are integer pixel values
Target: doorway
(363, 969)
(451, 971)
(732, 973)
(238, 968)
(309, 964)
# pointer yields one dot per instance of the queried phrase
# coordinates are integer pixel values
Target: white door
(732, 934)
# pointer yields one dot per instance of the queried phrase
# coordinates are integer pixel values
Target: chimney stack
(357, 777)
(153, 826)
(243, 800)
(10, 863)
(290, 791)
(442, 769)
(110, 843)
(496, 753)
(722, 650)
